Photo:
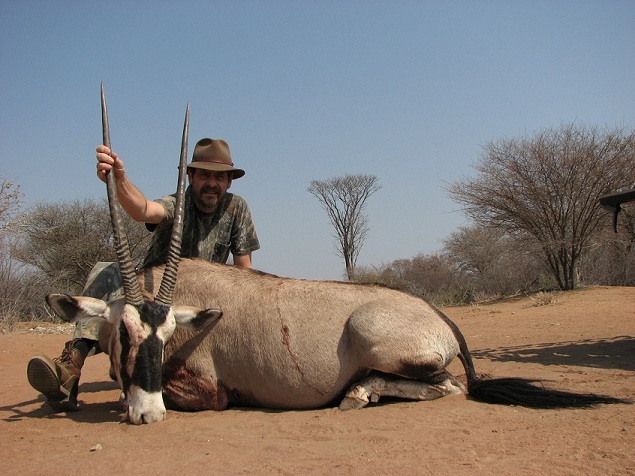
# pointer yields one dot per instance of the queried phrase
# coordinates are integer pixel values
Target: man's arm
(244, 261)
(130, 197)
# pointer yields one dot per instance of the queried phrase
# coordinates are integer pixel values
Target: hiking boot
(57, 379)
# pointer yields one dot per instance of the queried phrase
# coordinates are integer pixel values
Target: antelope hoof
(355, 399)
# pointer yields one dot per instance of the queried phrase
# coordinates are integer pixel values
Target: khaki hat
(213, 154)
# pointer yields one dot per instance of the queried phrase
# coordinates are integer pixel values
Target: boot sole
(42, 376)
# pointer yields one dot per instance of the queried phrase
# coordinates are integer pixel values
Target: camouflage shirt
(210, 237)
(229, 229)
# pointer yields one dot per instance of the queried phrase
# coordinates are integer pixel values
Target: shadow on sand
(87, 413)
(612, 353)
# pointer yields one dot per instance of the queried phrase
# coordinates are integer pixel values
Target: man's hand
(107, 160)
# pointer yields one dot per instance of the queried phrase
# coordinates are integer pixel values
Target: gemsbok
(281, 343)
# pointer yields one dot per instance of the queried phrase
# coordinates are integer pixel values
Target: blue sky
(407, 91)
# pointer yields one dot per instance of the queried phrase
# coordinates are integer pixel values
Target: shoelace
(65, 358)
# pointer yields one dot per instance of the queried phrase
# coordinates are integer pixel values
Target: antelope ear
(194, 318)
(77, 308)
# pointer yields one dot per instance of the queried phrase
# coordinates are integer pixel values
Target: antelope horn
(130, 282)
(174, 249)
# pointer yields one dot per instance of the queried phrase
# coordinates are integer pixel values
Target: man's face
(208, 188)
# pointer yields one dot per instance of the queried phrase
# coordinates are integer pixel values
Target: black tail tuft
(520, 391)
(526, 393)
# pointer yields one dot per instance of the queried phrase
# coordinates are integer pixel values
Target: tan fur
(289, 343)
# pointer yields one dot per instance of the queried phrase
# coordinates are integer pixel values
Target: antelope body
(287, 344)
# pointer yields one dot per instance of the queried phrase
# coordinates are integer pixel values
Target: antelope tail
(520, 391)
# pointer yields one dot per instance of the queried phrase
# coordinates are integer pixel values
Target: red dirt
(581, 341)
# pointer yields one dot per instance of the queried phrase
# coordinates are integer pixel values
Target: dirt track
(584, 341)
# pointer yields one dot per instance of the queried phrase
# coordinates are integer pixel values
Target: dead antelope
(281, 343)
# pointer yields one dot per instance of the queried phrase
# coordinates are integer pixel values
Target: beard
(207, 198)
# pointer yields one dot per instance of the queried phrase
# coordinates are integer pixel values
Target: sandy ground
(581, 341)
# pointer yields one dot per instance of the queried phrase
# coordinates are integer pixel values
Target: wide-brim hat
(214, 154)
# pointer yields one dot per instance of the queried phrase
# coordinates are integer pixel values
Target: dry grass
(543, 299)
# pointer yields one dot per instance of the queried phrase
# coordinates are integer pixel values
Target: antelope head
(141, 327)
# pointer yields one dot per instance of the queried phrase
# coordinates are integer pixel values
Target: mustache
(208, 189)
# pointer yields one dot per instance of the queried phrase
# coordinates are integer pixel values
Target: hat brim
(236, 173)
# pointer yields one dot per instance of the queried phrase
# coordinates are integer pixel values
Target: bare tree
(10, 197)
(22, 289)
(18, 284)
(344, 199)
(495, 262)
(431, 277)
(64, 240)
(611, 258)
(547, 187)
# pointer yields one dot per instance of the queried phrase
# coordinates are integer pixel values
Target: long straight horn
(174, 249)
(130, 282)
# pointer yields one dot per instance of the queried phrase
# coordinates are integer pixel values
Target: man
(215, 223)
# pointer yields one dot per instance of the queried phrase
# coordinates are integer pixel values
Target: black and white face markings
(143, 332)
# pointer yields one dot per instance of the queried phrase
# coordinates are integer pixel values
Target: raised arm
(131, 198)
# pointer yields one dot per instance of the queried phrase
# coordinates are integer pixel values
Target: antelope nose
(153, 417)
